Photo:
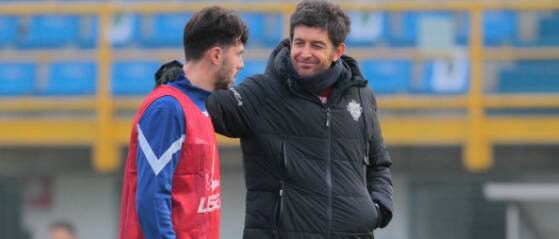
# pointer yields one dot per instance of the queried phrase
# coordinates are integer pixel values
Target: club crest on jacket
(354, 109)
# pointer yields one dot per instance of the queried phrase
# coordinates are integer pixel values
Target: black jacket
(312, 170)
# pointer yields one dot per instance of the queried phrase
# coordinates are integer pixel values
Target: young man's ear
(215, 55)
(339, 51)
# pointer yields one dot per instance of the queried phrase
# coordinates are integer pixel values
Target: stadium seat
(406, 33)
(367, 28)
(133, 77)
(548, 32)
(388, 76)
(252, 67)
(499, 28)
(89, 32)
(41, 28)
(164, 30)
(8, 30)
(548, 27)
(17, 78)
(71, 78)
(530, 76)
(125, 30)
(443, 77)
(265, 29)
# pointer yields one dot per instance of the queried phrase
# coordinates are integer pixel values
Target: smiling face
(312, 50)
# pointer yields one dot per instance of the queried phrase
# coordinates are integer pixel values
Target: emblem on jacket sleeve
(237, 96)
(354, 109)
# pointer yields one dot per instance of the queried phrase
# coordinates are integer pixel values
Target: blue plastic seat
(388, 76)
(8, 30)
(367, 28)
(252, 67)
(409, 28)
(133, 77)
(530, 76)
(524, 82)
(408, 33)
(89, 33)
(164, 30)
(125, 30)
(71, 78)
(442, 77)
(499, 28)
(17, 78)
(548, 32)
(265, 29)
(51, 31)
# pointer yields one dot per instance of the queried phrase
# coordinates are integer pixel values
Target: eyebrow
(318, 42)
(312, 42)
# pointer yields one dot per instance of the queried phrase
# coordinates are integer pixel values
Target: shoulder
(168, 105)
(368, 94)
(254, 85)
(262, 83)
(255, 81)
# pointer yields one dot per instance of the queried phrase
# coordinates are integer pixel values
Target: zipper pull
(328, 116)
(281, 189)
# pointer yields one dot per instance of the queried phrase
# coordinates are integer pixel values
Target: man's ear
(214, 54)
(339, 51)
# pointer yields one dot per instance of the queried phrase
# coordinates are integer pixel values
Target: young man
(314, 158)
(171, 185)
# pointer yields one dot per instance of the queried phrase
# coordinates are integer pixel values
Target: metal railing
(477, 132)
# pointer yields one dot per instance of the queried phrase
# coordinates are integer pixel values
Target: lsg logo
(209, 204)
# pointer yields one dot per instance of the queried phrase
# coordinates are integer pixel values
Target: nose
(306, 52)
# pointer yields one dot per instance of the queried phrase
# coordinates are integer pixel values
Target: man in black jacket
(314, 159)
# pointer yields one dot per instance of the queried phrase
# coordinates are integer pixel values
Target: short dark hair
(212, 26)
(63, 225)
(324, 15)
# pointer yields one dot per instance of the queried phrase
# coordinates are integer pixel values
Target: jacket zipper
(332, 100)
(329, 172)
(280, 206)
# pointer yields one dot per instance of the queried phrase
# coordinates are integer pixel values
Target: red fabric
(325, 94)
(196, 195)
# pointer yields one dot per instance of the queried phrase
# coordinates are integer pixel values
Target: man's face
(312, 51)
(60, 233)
(230, 66)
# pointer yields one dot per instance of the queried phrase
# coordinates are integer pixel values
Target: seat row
(384, 76)
(405, 29)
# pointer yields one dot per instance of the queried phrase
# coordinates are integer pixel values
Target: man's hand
(168, 72)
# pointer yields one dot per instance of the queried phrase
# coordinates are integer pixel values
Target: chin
(306, 73)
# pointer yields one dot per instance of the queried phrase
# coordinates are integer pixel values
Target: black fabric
(317, 83)
(304, 161)
(168, 72)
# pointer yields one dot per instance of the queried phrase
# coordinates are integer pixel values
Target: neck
(199, 75)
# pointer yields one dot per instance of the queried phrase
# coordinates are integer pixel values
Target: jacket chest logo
(354, 109)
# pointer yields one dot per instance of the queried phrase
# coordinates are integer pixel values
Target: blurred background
(468, 94)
